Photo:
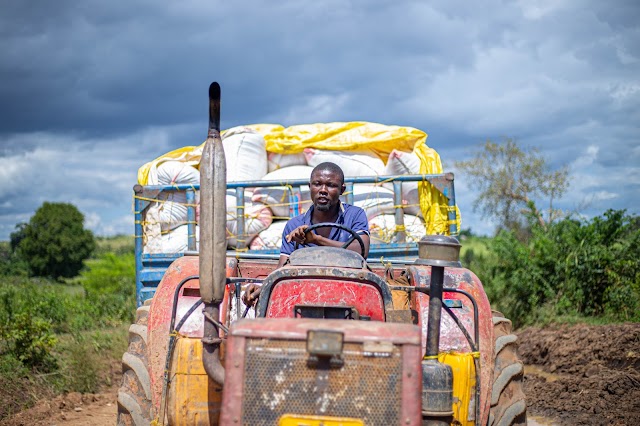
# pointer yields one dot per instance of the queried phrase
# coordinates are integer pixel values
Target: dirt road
(73, 409)
(579, 375)
(583, 375)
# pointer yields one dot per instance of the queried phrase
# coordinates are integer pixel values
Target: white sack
(175, 241)
(257, 217)
(270, 238)
(352, 163)
(280, 161)
(175, 172)
(152, 231)
(172, 212)
(374, 200)
(405, 163)
(245, 154)
(277, 198)
(382, 229)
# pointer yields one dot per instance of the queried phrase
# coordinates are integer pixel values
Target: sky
(92, 90)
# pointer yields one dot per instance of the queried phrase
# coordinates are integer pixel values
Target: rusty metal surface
(289, 293)
(451, 338)
(380, 388)
(234, 381)
(411, 385)
(278, 381)
(322, 274)
(327, 256)
(354, 331)
(256, 268)
(160, 315)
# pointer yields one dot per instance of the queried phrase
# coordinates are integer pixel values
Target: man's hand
(298, 236)
(251, 294)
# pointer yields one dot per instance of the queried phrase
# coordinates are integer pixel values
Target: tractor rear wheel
(508, 406)
(134, 395)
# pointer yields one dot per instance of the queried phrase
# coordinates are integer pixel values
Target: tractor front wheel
(508, 406)
(134, 395)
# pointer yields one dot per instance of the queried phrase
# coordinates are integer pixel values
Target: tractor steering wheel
(354, 235)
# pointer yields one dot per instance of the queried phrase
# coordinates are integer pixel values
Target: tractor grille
(278, 381)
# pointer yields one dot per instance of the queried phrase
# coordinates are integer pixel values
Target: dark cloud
(90, 91)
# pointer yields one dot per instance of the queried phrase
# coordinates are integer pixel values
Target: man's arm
(298, 235)
(283, 258)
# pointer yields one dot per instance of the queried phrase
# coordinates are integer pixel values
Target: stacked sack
(267, 209)
(377, 201)
(165, 225)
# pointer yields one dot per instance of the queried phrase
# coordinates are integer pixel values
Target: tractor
(335, 339)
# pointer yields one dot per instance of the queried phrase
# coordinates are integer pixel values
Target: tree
(17, 235)
(55, 243)
(510, 179)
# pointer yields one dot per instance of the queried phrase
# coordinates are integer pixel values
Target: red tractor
(336, 340)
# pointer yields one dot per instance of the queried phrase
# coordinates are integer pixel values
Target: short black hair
(330, 167)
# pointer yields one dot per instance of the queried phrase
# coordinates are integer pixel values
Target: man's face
(326, 188)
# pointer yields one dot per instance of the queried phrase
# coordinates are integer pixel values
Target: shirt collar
(307, 215)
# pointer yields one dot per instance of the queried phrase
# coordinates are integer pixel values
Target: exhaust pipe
(437, 251)
(213, 241)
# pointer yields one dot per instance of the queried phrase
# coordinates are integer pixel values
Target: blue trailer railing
(150, 267)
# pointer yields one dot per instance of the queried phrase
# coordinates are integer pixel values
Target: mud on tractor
(336, 339)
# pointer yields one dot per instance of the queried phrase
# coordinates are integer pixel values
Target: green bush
(34, 311)
(584, 268)
(11, 264)
(54, 243)
(109, 282)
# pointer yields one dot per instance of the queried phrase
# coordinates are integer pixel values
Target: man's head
(326, 185)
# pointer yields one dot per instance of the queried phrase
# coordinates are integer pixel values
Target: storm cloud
(90, 91)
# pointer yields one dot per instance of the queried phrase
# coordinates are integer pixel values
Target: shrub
(54, 243)
(109, 282)
(587, 268)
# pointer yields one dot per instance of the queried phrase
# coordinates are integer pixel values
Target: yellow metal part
(464, 384)
(192, 398)
(293, 420)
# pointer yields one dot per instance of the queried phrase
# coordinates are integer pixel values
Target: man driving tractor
(326, 185)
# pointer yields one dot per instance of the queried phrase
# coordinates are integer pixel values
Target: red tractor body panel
(330, 292)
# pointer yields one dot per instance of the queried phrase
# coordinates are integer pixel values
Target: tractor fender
(451, 338)
(161, 310)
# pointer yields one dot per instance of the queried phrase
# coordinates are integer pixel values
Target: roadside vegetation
(61, 333)
(544, 264)
(568, 271)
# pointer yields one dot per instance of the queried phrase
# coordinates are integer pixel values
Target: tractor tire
(134, 395)
(508, 405)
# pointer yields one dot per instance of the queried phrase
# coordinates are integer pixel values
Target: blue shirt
(351, 216)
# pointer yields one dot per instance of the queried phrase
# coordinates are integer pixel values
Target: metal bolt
(407, 421)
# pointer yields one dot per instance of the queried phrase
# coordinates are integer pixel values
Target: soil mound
(583, 375)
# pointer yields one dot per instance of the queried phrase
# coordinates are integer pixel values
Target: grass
(87, 362)
(66, 336)
(119, 244)
(473, 248)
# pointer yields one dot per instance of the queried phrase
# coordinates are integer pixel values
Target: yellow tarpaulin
(352, 136)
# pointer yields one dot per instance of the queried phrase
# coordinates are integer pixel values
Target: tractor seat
(327, 256)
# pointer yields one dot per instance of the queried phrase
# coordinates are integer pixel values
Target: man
(326, 184)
